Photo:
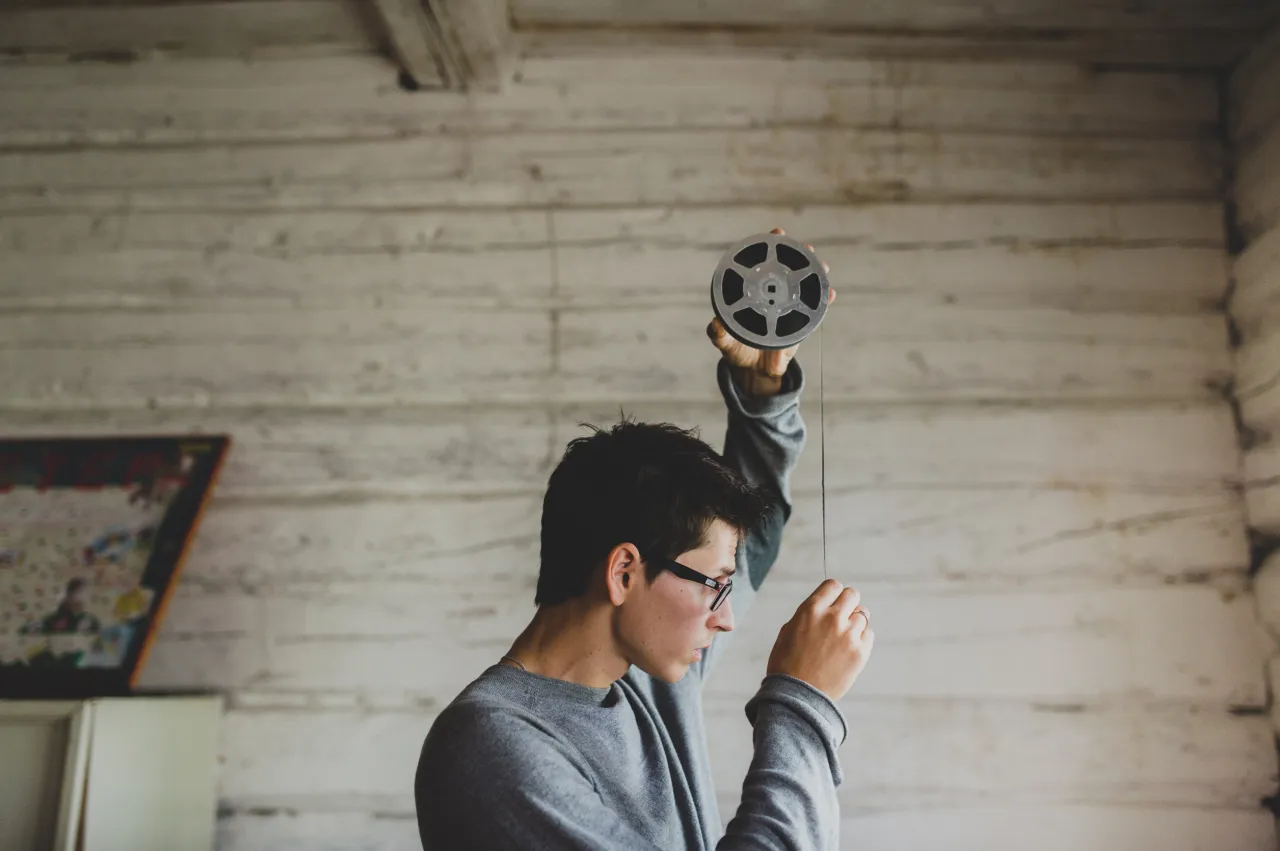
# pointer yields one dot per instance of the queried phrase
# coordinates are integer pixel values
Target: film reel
(770, 291)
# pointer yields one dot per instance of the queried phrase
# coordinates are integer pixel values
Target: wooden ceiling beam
(450, 44)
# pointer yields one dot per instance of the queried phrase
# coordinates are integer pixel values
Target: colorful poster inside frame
(93, 532)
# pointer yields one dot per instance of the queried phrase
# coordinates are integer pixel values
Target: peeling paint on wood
(1127, 643)
(354, 97)
(1177, 448)
(614, 169)
(949, 536)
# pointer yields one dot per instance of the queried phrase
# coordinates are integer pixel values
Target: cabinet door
(38, 741)
(152, 774)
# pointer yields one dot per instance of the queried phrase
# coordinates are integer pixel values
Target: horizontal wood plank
(953, 753)
(1148, 448)
(440, 261)
(918, 352)
(981, 827)
(1261, 471)
(1253, 83)
(1141, 50)
(1148, 258)
(328, 357)
(389, 355)
(1257, 186)
(218, 28)
(355, 97)
(918, 537)
(1255, 300)
(920, 15)
(1073, 256)
(416, 451)
(1121, 643)
(783, 166)
(997, 645)
(344, 453)
(899, 756)
(1257, 377)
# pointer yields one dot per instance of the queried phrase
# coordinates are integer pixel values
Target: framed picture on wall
(93, 532)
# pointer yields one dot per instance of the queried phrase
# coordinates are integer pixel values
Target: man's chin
(672, 673)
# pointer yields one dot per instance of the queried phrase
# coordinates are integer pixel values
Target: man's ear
(622, 572)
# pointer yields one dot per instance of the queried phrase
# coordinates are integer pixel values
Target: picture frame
(93, 535)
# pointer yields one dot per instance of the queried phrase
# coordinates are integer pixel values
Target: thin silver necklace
(517, 661)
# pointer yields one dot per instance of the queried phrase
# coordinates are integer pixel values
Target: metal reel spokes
(770, 291)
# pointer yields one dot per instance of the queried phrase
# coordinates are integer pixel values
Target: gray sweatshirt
(522, 761)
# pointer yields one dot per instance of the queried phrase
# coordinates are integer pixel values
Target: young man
(589, 733)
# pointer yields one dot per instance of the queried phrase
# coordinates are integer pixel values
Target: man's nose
(722, 618)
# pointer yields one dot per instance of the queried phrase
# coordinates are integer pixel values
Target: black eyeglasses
(722, 588)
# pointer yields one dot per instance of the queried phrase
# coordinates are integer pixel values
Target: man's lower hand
(827, 642)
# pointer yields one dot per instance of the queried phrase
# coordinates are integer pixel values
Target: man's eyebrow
(728, 571)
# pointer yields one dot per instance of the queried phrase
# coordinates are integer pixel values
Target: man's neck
(571, 641)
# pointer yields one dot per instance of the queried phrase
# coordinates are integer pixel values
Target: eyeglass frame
(722, 589)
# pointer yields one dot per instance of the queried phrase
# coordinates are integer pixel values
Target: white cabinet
(109, 774)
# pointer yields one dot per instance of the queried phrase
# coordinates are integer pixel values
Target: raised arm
(764, 438)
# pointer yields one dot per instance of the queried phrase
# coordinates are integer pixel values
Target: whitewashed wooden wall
(400, 305)
(1254, 100)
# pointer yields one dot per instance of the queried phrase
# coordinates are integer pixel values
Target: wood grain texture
(1257, 185)
(1079, 257)
(356, 97)
(419, 47)
(214, 28)
(919, 352)
(1254, 82)
(1138, 258)
(1261, 476)
(1257, 374)
(1050, 828)
(480, 33)
(1056, 645)
(401, 309)
(1255, 299)
(1255, 129)
(920, 15)
(1140, 50)
(920, 537)
(781, 166)
(204, 261)
(393, 355)
(285, 452)
(1266, 589)
(329, 357)
(912, 756)
(345, 453)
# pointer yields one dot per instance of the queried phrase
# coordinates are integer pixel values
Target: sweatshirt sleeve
(789, 795)
(763, 440)
(488, 780)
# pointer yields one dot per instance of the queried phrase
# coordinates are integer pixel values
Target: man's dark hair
(653, 485)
